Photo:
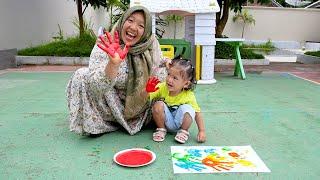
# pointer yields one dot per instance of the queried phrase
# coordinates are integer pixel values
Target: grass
(70, 47)
(313, 53)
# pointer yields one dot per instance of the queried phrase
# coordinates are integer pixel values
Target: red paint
(217, 165)
(134, 157)
(224, 167)
(152, 84)
(234, 154)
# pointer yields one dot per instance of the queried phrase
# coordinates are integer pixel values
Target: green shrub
(71, 47)
(81, 47)
(265, 46)
(313, 53)
(226, 51)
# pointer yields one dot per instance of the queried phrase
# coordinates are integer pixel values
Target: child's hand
(168, 63)
(151, 84)
(201, 136)
(112, 47)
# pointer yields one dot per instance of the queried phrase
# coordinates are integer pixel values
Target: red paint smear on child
(134, 157)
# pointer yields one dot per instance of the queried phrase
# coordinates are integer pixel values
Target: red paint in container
(134, 157)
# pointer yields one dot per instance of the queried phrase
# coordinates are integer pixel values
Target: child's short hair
(188, 71)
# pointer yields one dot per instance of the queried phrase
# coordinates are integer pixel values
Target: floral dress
(96, 103)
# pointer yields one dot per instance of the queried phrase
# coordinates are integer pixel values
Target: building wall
(285, 27)
(32, 22)
(278, 24)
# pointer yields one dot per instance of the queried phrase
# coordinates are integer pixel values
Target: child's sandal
(182, 136)
(159, 135)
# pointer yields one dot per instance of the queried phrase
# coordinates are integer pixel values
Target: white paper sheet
(216, 159)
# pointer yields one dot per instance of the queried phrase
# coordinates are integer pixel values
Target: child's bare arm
(201, 134)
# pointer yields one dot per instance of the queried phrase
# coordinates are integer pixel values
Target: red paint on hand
(112, 46)
(151, 84)
(123, 53)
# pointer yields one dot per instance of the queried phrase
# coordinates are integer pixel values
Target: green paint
(181, 157)
(36, 142)
(226, 149)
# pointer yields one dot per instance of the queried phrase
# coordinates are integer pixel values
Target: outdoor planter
(52, 60)
(307, 59)
(312, 46)
(7, 59)
(244, 61)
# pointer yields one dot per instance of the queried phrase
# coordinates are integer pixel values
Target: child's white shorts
(174, 116)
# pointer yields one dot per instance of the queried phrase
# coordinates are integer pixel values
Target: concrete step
(281, 58)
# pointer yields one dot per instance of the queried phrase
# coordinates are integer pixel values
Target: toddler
(175, 106)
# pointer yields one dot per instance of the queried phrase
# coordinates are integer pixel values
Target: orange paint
(234, 154)
(217, 164)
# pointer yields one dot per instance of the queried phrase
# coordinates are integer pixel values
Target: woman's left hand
(201, 136)
(112, 47)
(168, 62)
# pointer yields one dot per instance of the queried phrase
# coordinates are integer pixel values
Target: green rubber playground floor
(277, 114)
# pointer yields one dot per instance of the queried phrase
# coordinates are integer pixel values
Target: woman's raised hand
(152, 84)
(112, 46)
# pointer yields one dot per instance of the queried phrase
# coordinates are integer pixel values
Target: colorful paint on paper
(216, 159)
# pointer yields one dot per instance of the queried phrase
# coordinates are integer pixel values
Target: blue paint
(209, 150)
(190, 165)
(194, 152)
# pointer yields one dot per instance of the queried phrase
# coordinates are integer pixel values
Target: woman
(106, 95)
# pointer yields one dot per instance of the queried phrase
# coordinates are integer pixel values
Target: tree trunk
(175, 28)
(111, 18)
(222, 21)
(80, 16)
(243, 29)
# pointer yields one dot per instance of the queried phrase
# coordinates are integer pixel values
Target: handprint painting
(216, 159)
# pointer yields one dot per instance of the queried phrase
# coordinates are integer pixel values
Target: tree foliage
(174, 18)
(122, 5)
(81, 10)
(245, 18)
(116, 9)
(108, 4)
(225, 7)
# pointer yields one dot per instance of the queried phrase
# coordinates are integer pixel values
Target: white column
(189, 34)
(204, 35)
(153, 16)
(207, 65)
